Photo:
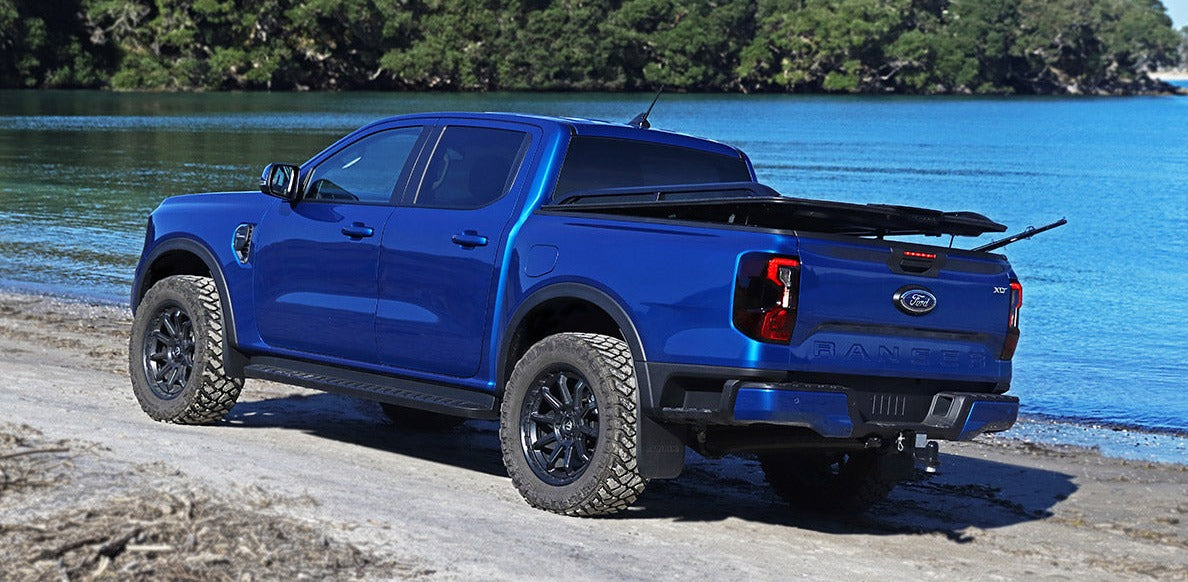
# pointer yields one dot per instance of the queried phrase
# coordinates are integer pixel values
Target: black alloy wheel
(176, 352)
(169, 351)
(559, 426)
(568, 425)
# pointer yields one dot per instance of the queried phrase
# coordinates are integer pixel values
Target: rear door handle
(469, 239)
(358, 230)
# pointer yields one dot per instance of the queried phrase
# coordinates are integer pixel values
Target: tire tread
(216, 391)
(622, 483)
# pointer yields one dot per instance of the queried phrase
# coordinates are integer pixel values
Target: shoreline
(1128, 444)
(1170, 76)
(1103, 425)
(49, 292)
(1109, 439)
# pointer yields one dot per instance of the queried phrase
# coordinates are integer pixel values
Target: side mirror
(280, 180)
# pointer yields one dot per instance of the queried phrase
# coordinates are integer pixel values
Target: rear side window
(471, 167)
(593, 163)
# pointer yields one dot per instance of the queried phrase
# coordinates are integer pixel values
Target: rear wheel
(175, 354)
(568, 425)
(843, 483)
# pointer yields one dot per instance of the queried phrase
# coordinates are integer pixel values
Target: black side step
(401, 391)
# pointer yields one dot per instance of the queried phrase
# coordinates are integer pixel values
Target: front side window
(365, 171)
(471, 167)
(594, 163)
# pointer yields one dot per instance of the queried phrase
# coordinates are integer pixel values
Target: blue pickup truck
(611, 293)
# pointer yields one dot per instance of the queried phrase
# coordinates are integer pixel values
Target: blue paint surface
(984, 415)
(825, 412)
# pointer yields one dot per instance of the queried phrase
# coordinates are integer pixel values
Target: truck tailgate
(864, 308)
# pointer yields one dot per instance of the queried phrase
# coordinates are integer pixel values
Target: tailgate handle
(914, 265)
(909, 262)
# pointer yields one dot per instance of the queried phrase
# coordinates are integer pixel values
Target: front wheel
(568, 425)
(175, 354)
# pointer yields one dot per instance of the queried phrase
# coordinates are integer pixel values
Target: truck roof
(587, 127)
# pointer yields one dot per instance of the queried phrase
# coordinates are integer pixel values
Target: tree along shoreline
(927, 47)
(1157, 89)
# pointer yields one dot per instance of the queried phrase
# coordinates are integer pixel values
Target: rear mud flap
(661, 453)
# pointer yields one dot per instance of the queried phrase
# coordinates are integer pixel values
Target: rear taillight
(1016, 303)
(765, 297)
(1012, 336)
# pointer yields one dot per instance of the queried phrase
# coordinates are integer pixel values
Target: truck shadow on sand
(969, 494)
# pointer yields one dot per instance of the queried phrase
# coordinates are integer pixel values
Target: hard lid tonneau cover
(753, 204)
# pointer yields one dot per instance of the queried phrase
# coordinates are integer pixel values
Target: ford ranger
(612, 294)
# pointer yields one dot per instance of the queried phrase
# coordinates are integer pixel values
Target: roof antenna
(641, 120)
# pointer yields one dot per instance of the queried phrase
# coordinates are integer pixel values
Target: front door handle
(358, 230)
(469, 239)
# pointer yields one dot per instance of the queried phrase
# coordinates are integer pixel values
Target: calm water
(1105, 319)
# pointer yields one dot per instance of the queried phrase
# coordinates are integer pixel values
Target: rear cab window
(594, 163)
(471, 167)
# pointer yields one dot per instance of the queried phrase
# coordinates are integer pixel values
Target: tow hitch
(927, 452)
(900, 457)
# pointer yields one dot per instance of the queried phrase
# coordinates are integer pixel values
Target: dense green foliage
(914, 46)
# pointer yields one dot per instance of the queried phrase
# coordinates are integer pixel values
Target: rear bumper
(954, 416)
(840, 412)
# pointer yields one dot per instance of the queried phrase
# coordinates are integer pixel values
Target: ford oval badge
(914, 300)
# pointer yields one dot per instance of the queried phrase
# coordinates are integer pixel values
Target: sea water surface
(1105, 316)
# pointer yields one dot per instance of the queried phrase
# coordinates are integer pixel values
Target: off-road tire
(610, 481)
(209, 393)
(403, 417)
(833, 483)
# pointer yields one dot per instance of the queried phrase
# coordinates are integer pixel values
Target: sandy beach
(296, 481)
(1180, 75)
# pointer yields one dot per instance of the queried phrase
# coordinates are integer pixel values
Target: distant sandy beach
(1171, 75)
